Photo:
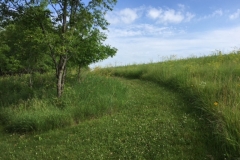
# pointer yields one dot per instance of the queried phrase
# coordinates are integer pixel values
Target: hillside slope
(209, 85)
(154, 124)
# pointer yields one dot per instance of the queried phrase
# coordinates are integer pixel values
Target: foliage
(92, 49)
(24, 109)
(61, 26)
(22, 51)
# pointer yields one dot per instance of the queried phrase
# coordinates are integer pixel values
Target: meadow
(176, 109)
(210, 85)
(26, 109)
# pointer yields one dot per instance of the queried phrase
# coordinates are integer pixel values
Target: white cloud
(189, 16)
(138, 30)
(169, 15)
(124, 32)
(152, 30)
(218, 12)
(154, 13)
(181, 6)
(153, 48)
(165, 16)
(235, 15)
(172, 16)
(126, 16)
(215, 13)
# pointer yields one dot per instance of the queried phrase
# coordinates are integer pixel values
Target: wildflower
(215, 103)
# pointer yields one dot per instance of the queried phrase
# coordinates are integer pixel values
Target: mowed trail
(154, 124)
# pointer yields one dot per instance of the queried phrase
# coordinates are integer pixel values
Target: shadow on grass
(15, 89)
(40, 110)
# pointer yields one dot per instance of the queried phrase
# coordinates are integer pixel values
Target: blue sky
(146, 31)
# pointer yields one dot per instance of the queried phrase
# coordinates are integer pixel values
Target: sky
(147, 31)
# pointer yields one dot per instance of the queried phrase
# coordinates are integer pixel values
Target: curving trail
(154, 124)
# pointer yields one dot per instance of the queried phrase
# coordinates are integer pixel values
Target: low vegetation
(145, 122)
(25, 109)
(177, 109)
(210, 85)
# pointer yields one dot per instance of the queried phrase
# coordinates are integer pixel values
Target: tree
(3, 49)
(91, 49)
(22, 47)
(62, 22)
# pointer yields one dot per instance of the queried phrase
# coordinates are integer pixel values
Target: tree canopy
(58, 30)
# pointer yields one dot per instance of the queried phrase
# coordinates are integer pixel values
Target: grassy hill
(210, 85)
(177, 109)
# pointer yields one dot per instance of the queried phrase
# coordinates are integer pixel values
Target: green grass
(154, 124)
(209, 85)
(37, 109)
(178, 109)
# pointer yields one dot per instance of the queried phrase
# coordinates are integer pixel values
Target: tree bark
(79, 74)
(61, 74)
(60, 66)
(61, 69)
(31, 79)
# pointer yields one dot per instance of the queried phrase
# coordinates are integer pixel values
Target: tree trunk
(61, 68)
(31, 79)
(61, 74)
(30, 72)
(79, 74)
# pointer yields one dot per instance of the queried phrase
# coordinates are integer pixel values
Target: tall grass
(24, 108)
(153, 125)
(210, 85)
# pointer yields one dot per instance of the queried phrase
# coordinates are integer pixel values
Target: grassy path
(155, 124)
